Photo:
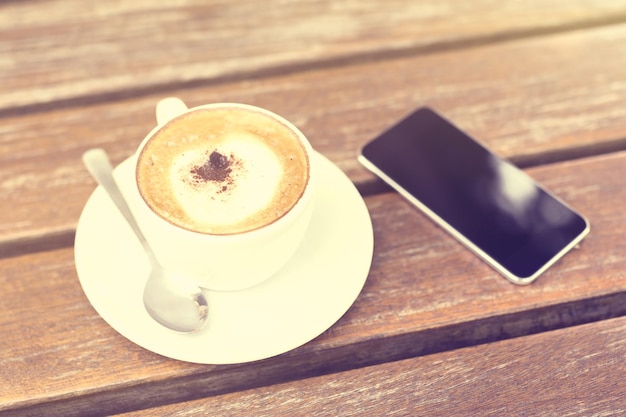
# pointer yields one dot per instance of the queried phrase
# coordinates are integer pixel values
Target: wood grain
(578, 371)
(540, 82)
(425, 294)
(56, 52)
(515, 97)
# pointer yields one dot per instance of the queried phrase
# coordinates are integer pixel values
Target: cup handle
(169, 108)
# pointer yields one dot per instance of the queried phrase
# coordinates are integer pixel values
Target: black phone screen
(490, 205)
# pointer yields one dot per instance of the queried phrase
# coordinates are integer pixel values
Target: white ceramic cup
(225, 262)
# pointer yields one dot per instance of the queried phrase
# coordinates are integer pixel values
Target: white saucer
(303, 300)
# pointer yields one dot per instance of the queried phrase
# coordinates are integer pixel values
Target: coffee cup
(223, 192)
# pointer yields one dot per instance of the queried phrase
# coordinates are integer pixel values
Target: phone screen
(490, 205)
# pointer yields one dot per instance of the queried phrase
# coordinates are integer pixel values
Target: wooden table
(435, 331)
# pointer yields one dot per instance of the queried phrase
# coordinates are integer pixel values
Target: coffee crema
(222, 170)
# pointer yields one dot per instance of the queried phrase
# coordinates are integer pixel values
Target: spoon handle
(100, 168)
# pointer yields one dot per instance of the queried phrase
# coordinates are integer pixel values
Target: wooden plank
(425, 293)
(533, 100)
(58, 51)
(578, 371)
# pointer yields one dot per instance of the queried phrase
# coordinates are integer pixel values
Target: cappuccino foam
(222, 170)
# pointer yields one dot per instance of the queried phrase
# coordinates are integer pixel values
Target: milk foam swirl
(248, 187)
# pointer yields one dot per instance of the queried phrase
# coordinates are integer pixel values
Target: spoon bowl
(169, 297)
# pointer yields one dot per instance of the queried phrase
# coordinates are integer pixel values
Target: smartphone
(488, 204)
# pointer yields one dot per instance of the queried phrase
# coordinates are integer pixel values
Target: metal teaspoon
(168, 297)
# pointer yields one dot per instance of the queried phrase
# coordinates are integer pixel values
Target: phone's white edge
(466, 242)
